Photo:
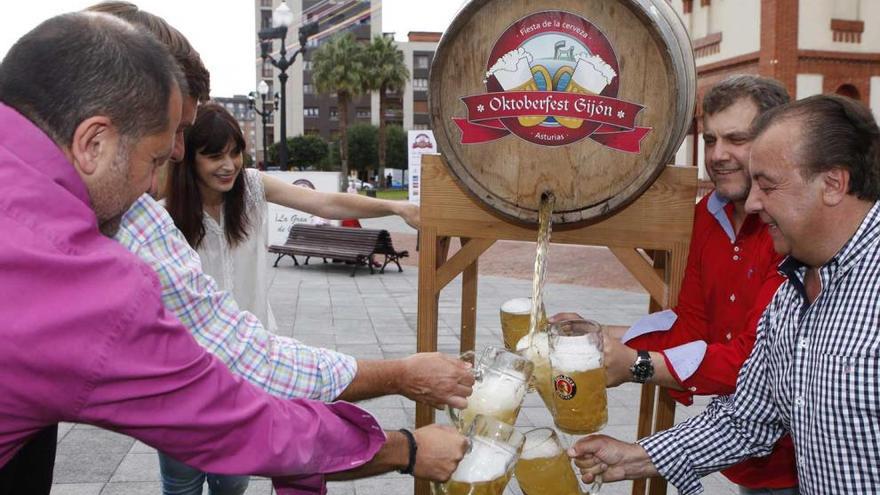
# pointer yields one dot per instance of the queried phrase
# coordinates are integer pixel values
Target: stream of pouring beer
(548, 201)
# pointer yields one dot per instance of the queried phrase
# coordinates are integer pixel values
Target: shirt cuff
(668, 456)
(654, 322)
(685, 359)
(344, 370)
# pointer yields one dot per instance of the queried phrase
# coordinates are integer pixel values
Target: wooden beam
(469, 300)
(465, 257)
(642, 270)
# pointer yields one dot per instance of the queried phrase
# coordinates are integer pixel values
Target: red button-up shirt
(729, 280)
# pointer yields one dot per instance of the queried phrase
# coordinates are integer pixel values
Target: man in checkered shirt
(815, 367)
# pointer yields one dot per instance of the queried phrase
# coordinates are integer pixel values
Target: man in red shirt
(698, 347)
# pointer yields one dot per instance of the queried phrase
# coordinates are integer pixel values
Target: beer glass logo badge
(565, 387)
(553, 79)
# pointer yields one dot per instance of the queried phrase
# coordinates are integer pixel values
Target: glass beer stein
(539, 354)
(543, 467)
(488, 464)
(576, 363)
(502, 380)
(515, 316)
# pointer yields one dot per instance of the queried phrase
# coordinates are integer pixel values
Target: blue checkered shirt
(814, 372)
(282, 366)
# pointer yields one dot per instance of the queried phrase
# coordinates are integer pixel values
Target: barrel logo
(565, 387)
(552, 79)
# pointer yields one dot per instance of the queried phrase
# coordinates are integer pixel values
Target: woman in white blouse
(221, 208)
(222, 211)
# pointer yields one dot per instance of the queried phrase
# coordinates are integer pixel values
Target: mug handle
(596, 486)
(468, 357)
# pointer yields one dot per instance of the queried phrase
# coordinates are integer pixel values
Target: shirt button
(732, 297)
(799, 401)
(736, 249)
(802, 343)
(735, 257)
(693, 389)
(728, 336)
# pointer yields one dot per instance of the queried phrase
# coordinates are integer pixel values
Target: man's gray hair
(79, 65)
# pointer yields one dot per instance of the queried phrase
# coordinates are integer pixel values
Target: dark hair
(197, 76)
(766, 93)
(79, 65)
(837, 132)
(213, 130)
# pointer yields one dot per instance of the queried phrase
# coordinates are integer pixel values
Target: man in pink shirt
(85, 336)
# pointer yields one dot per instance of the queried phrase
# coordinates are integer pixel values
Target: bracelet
(413, 448)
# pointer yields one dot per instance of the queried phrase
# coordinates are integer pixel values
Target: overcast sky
(224, 36)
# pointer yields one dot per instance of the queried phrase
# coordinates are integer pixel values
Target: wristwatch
(642, 370)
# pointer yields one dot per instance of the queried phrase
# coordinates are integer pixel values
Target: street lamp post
(282, 18)
(264, 112)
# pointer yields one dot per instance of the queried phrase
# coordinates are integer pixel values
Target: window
(267, 70)
(363, 113)
(420, 84)
(334, 114)
(266, 19)
(266, 3)
(311, 112)
(420, 127)
(307, 65)
(308, 89)
(420, 107)
(421, 62)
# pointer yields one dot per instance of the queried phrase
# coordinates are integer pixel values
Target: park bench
(352, 245)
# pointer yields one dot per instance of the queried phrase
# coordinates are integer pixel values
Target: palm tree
(338, 67)
(386, 71)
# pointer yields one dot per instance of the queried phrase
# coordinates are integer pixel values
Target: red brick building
(812, 46)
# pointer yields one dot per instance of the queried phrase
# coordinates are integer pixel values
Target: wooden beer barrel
(589, 99)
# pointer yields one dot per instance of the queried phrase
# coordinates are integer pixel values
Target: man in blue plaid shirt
(815, 367)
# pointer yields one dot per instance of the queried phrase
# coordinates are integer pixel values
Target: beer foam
(540, 347)
(486, 461)
(573, 354)
(513, 69)
(592, 73)
(497, 392)
(518, 306)
(539, 448)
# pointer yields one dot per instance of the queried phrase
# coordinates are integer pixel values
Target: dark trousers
(30, 471)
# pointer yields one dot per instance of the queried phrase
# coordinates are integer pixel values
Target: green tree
(362, 149)
(331, 162)
(386, 71)
(307, 151)
(338, 67)
(396, 155)
(273, 154)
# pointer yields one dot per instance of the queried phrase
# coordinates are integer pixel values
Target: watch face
(642, 370)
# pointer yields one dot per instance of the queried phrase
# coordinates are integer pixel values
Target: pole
(265, 119)
(282, 150)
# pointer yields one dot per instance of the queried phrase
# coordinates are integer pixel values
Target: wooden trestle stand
(658, 222)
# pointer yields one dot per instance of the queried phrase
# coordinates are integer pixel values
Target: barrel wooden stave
(590, 181)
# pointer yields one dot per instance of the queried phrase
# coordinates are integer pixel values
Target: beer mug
(514, 73)
(538, 352)
(515, 318)
(576, 363)
(544, 468)
(502, 380)
(488, 465)
(590, 77)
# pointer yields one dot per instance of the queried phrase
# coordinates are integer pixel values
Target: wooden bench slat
(342, 243)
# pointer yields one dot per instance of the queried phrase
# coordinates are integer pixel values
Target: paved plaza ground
(374, 317)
